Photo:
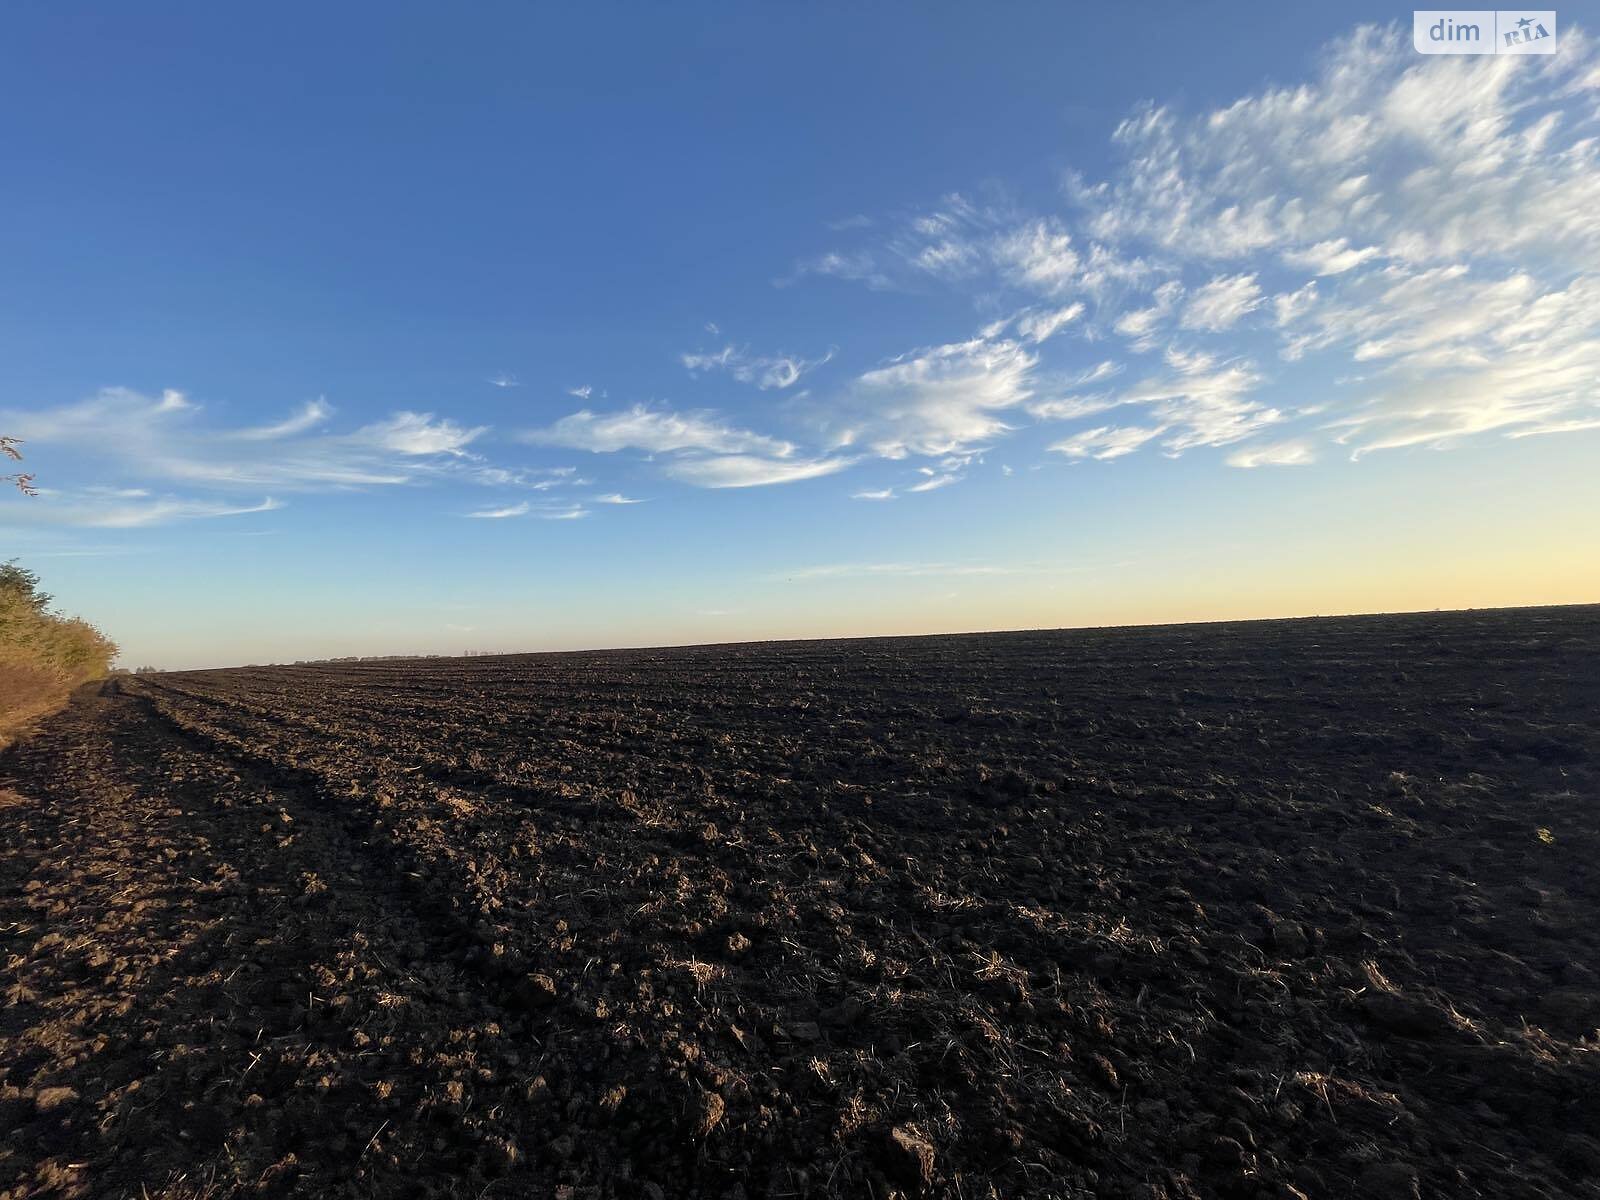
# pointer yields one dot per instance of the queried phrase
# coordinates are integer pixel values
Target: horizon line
(879, 637)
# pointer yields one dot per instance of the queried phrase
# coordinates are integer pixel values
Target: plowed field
(1271, 909)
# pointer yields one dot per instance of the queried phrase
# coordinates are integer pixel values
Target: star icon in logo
(1524, 23)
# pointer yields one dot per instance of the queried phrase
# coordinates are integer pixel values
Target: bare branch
(23, 481)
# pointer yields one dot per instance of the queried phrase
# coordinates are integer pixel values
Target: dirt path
(992, 918)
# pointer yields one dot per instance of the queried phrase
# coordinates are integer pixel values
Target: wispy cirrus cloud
(700, 447)
(1203, 402)
(1221, 303)
(935, 480)
(311, 414)
(500, 514)
(1105, 442)
(1039, 256)
(1140, 325)
(418, 434)
(1334, 256)
(748, 470)
(1303, 268)
(767, 372)
(1432, 221)
(1294, 453)
(164, 438)
(654, 431)
(151, 445)
(544, 511)
(1038, 325)
(858, 268)
(114, 508)
(937, 401)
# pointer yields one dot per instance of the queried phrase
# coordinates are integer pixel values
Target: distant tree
(22, 480)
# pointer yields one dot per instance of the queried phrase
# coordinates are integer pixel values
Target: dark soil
(1270, 909)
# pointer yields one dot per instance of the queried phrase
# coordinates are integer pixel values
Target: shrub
(43, 655)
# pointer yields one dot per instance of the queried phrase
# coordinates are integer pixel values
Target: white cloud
(949, 257)
(311, 414)
(1450, 355)
(1416, 157)
(1140, 324)
(746, 470)
(1296, 453)
(1039, 256)
(1332, 257)
(943, 242)
(655, 431)
(881, 494)
(615, 498)
(1072, 405)
(1198, 402)
(1069, 408)
(934, 482)
(940, 400)
(502, 380)
(131, 436)
(1105, 442)
(111, 415)
(420, 434)
(1221, 303)
(1039, 325)
(499, 514)
(129, 508)
(860, 267)
(1434, 220)
(1203, 403)
(1188, 362)
(964, 243)
(1287, 307)
(766, 372)
(582, 392)
(537, 479)
(700, 448)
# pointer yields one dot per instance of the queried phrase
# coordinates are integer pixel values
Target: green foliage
(43, 655)
(21, 584)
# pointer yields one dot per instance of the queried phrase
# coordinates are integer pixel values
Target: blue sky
(397, 329)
